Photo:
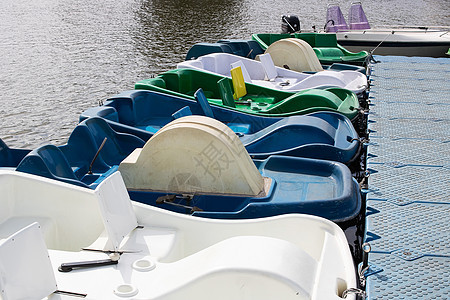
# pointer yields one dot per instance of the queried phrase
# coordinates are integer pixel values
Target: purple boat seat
(335, 19)
(357, 18)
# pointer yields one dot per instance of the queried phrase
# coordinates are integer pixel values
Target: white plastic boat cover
(294, 54)
(193, 154)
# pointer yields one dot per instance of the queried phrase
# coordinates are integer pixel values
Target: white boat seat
(13, 224)
(269, 66)
(193, 154)
(239, 63)
(25, 268)
(115, 206)
(121, 224)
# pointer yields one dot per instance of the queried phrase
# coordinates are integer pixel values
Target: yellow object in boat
(238, 83)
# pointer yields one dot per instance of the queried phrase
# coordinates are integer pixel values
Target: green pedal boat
(235, 94)
(325, 46)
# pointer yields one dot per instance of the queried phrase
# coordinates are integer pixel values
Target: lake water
(59, 58)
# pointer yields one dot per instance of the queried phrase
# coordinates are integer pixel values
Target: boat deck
(408, 199)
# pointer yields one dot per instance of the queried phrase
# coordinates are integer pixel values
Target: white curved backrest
(296, 54)
(116, 209)
(193, 154)
(269, 67)
(25, 268)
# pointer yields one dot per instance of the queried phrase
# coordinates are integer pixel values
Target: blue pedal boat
(318, 187)
(322, 135)
(297, 185)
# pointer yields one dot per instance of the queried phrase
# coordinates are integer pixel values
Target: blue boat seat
(49, 161)
(183, 112)
(11, 157)
(201, 49)
(71, 162)
(244, 48)
(204, 104)
(117, 146)
(80, 150)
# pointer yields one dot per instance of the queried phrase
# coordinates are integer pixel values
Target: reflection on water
(167, 29)
(60, 57)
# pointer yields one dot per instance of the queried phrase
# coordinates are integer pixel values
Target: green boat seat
(328, 52)
(226, 92)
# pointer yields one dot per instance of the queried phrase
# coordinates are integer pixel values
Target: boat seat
(203, 102)
(193, 154)
(357, 17)
(226, 92)
(328, 52)
(182, 112)
(269, 66)
(125, 108)
(49, 161)
(25, 266)
(6, 157)
(10, 157)
(243, 69)
(13, 224)
(237, 79)
(120, 222)
(244, 48)
(335, 15)
(79, 161)
(117, 146)
(201, 49)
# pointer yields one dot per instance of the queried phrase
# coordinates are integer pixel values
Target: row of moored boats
(237, 175)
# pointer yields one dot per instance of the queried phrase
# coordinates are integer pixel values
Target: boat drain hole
(126, 290)
(144, 265)
(341, 286)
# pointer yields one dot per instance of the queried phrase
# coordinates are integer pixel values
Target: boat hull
(394, 48)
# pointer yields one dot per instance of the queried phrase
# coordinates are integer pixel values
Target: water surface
(59, 58)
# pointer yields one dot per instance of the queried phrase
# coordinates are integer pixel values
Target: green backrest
(326, 40)
(185, 82)
(319, 40)
(309, 37)
(226, 92)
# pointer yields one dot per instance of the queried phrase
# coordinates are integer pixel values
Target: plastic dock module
(408, 203)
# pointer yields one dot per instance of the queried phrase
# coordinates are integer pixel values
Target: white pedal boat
(386, 40)
(151, 253)
(265, 73)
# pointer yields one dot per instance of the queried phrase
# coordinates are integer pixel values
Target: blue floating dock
(408, 199)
